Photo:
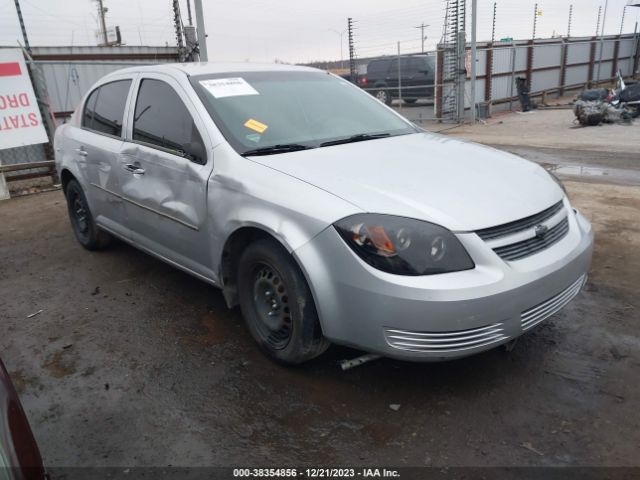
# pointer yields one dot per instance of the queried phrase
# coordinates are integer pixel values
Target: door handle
(135, 169)
(82, 152)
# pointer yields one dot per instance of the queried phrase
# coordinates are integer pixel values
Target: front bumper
(446, 316)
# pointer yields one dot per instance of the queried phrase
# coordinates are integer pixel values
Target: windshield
(257, 111)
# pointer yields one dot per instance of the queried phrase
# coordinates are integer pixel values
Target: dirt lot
(132, 362)
(551, 129)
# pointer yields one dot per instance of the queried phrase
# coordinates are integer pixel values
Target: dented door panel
(166, 205)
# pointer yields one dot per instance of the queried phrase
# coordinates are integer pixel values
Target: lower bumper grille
(444, 342)
(544, 310)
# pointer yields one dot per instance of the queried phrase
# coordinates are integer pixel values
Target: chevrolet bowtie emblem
(540, 230)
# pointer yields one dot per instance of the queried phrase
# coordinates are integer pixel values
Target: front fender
(244, 193)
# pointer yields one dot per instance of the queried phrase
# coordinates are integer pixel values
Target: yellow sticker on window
(255, 125)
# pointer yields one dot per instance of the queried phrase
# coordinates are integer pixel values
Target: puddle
(617, 175)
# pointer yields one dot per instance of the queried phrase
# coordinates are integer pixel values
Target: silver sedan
(322, 213)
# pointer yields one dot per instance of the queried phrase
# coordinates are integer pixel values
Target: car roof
(203, 68)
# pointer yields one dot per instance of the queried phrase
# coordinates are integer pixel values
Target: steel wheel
(271, 302)
(80, 215)
(84, 227)
(277, 304)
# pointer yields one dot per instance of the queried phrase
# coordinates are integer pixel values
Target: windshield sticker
(253, 137)
(255, 125)
(228, 87)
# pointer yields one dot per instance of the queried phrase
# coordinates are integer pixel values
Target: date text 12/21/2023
(315, 473)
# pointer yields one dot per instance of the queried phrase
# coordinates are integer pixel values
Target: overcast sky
(299, 31)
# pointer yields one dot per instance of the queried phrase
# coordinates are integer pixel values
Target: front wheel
(84, 227)
(277, 304)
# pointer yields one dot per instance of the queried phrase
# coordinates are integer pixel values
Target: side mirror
(196, 152)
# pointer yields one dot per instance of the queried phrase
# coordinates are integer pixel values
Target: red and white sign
(20, 121)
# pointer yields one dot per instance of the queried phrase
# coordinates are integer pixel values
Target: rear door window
(104, 109)
(378, 68)
(163, 120)
(89, 109)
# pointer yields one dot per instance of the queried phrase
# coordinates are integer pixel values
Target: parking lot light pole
(474, 11)
(341, 34)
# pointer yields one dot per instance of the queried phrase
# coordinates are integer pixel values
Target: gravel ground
(132, 362)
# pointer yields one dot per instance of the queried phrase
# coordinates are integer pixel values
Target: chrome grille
(533, 245)
(519, 225)
(444, 342)
(542, 311)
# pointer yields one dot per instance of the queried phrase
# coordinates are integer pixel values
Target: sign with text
(20, 120)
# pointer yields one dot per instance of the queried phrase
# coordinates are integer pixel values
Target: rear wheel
(84, 227)
(383, 96)
(277, 304)
(410, 101)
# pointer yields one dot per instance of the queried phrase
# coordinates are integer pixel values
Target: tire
(277, 304)
(82, 222)
(410, 101)
(384, 96)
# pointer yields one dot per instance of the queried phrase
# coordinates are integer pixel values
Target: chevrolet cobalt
(322, 213)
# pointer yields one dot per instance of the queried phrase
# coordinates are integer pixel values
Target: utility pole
(422, 26)
(352, 51)
(474, 15)
(22, 27)
(535, 20)
(624, 12)
(604, 19)
(202, 35)
(598, 22)
(570, 15)
(103, 24)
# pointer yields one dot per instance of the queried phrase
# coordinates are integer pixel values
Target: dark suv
(417, 78)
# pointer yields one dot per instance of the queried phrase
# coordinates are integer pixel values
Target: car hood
(458, 184)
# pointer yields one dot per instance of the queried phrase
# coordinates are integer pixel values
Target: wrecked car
(600, 105)
(325, 215)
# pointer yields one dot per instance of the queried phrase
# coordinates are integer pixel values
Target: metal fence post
(563, 67)
(439, 97)
(592, 60)
(616, 53)
(461, 74)
(513, 73)
(636, 57)
(488, 82)
(399, 78)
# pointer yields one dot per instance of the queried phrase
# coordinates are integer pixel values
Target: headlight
(403, 246)
(557, 180)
